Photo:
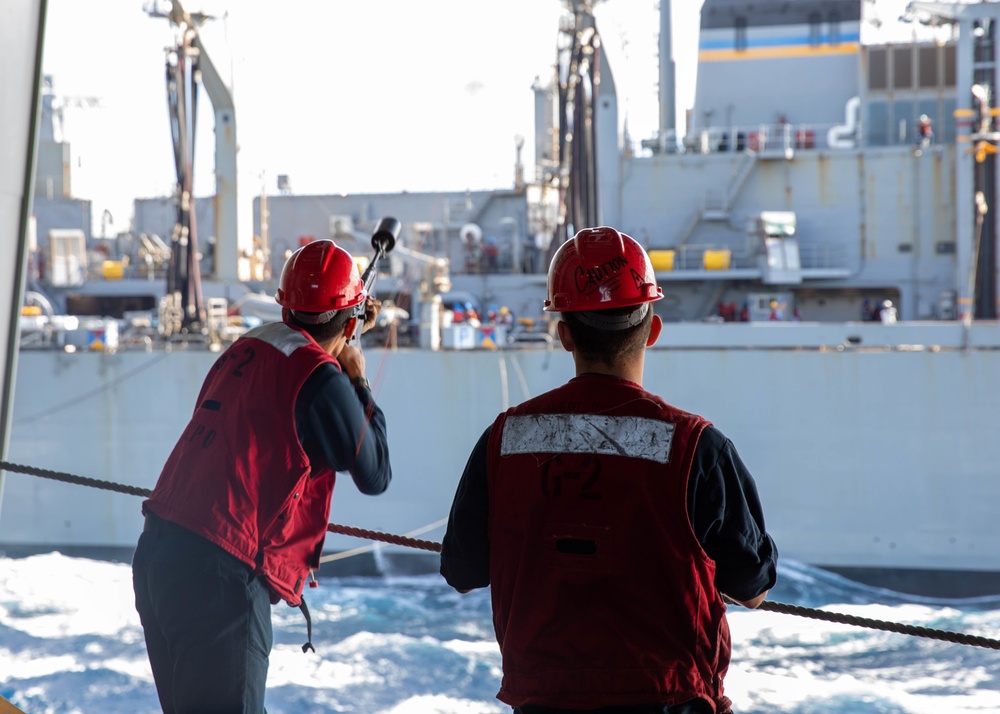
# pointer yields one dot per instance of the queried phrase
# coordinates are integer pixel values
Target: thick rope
(769, 606)
(913, 630)
(72, 478)
(385, 537)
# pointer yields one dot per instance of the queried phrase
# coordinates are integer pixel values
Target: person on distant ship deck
(925, 131)
(237, 519)
(607, 522)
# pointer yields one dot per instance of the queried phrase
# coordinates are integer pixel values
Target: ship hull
(873, 446)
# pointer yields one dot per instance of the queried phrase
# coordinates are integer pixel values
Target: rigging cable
(138, 369)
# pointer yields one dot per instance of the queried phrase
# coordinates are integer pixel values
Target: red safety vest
(238, 475)
(602, 594)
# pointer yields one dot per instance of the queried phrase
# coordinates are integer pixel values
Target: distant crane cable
(138, 369)
(959, 638)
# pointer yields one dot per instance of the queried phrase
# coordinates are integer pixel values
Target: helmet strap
(315, 318)
(600, 320)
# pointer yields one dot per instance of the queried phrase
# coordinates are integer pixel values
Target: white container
(458, 337)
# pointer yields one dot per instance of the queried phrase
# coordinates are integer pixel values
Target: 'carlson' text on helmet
(598, 269)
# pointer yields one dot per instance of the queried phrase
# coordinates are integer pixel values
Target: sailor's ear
(565, 336)
(349, 328)
(654, 330)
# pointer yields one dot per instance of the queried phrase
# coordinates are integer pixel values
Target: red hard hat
(319, 277)
(598, 269)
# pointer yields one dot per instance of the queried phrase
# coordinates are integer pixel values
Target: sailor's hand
(352, 361)
(372, 308)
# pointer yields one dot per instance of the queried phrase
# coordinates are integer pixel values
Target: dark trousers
(207, 622)
(696, 706)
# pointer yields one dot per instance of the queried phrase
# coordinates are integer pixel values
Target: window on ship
(834, 20)
(815, 29)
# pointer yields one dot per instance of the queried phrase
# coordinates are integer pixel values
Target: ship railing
(716, 257)
(777, 138)
(781, 137)
(698, 257)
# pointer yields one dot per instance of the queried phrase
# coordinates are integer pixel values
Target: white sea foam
(70, 641)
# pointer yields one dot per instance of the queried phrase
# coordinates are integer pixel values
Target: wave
(70, 641)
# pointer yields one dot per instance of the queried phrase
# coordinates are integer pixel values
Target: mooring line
(960, 638)
(73, 478)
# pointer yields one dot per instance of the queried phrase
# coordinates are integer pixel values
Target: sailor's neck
(632, 371)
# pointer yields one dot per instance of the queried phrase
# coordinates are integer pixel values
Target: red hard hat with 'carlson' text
(598, 269)
(320, 277)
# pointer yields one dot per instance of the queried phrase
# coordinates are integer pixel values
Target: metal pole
(22, 36)
(668, 101)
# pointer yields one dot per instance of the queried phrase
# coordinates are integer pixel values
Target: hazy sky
(346, 95)
(340, 95)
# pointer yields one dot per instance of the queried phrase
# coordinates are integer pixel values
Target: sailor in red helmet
(237, 519)
(607, 522)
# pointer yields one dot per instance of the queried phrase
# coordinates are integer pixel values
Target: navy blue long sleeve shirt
(331, 422)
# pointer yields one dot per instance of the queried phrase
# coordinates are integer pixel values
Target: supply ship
(821, 229)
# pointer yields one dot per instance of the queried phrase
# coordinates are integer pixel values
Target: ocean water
(70, 641)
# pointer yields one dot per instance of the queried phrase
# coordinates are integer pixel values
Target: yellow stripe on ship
(848, 48)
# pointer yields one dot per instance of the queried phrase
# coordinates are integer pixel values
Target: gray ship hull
(873, 446)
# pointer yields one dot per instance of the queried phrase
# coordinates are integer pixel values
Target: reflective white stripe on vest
(280, 336)
(634, 437)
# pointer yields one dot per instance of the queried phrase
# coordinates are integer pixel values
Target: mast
(578, 79)
(667, 90)
(982, 271)
(184, 274)
(188, 62)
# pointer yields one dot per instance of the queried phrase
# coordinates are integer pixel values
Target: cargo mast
(187, 63)
(578, 71)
